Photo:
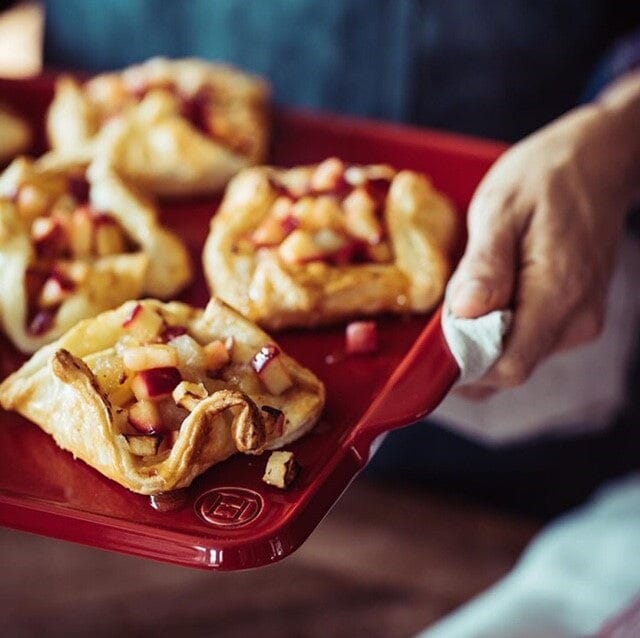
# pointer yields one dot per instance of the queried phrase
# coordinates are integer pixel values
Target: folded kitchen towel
(575, 391)
(475, 343)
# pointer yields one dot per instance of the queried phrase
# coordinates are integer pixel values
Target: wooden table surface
(387, 561)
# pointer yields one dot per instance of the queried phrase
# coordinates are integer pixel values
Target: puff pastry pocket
(75, 244)
(175, 127)
(15, 134)
(153, 394)
(317, 244)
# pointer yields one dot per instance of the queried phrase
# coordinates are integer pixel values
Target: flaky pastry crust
(58, 390)
(416, 228)
(156, 262)
(175, 127)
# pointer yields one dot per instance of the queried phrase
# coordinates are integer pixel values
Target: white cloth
(578, 573)
(581, 389)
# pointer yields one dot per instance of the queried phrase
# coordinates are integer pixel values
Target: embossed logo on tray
(228, 506)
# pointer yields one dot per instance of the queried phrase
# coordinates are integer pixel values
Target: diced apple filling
(158, 380)
(337, 218)
(63, 234)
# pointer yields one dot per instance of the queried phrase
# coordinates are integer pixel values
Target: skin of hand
(544, 226)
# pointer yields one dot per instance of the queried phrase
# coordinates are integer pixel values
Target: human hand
(544, 226)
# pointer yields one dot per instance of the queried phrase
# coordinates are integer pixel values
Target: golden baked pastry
(15, 134)
(153, 394)
(73, 245)
(316, 244)
(175, 127)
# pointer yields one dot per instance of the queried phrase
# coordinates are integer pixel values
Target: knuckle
(512, 371)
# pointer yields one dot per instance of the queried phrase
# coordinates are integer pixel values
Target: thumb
(485, 277)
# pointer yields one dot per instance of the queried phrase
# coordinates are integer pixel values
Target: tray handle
(415, 389)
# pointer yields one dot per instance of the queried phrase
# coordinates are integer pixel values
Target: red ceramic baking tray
(231, 519)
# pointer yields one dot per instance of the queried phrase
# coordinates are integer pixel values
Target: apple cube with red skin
(268, 365)
(143, 323)
(362, 337)
(144, 416)
(55, 290)
(156, 383)
(49, 237)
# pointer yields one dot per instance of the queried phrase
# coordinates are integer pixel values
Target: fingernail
(470, 299)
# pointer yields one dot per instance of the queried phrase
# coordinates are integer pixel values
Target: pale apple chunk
(321, 212)
(191, 356)
(329, 241)
(298, 248)
(281, 469)
(281, 208)
(155, 355)
(144, 324)
(270, 233)
(55, 290)
(81, 232)
(216, 355)
(109, 238)
(142, 444)
(187, 394)
(360, 216)
(112, 377)
(327, 174)
(268, 365)
(32, 201)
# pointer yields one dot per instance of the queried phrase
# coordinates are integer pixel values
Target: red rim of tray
(231, 519)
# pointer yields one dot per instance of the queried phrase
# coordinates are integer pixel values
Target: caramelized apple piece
(281, 469)
(142, 444)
